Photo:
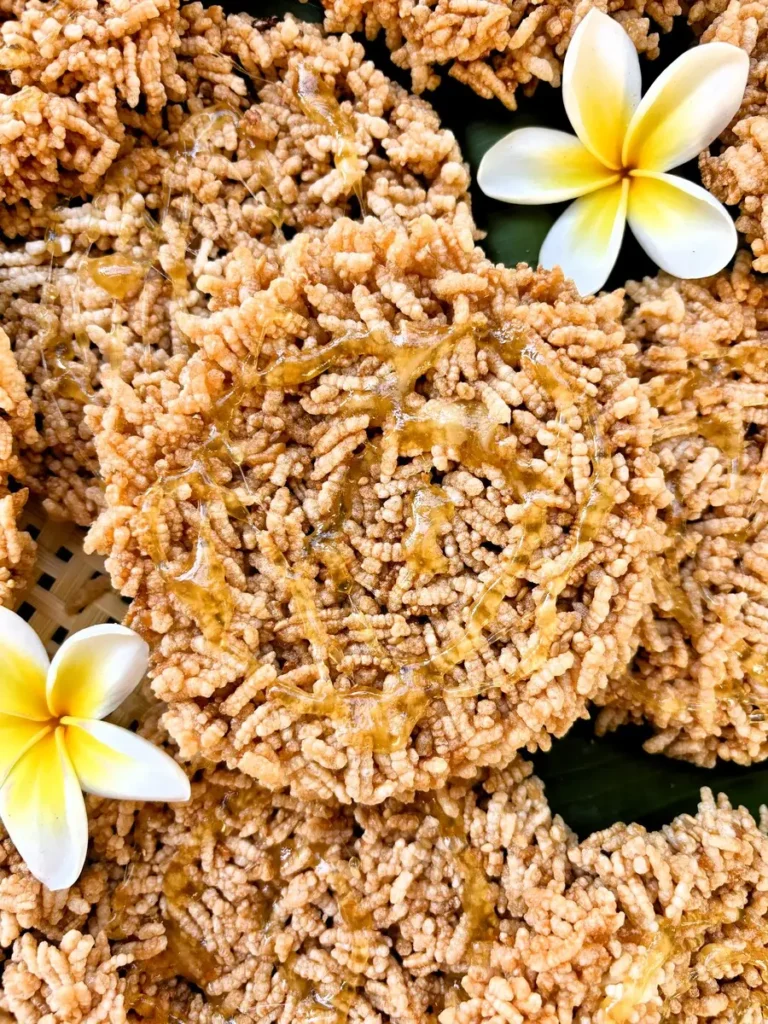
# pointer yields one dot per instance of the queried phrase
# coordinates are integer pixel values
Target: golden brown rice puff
(17, 427)
(470, 905)
(291, 132)
(391, 520)
(494, 46)
(700, 673)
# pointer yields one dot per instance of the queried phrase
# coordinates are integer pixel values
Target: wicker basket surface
(69, 589)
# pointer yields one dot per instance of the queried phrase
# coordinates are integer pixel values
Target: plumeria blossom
(53, 743)
(616, 166)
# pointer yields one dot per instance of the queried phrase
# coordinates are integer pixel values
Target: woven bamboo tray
(69, 589)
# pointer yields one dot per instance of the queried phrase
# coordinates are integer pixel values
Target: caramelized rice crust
(271, 128)
(392, 518)
(700, 672)
(388, 514)
(494, 46)
(469, 905)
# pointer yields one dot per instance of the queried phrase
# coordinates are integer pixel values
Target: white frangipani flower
(618, 161)
(53, 744)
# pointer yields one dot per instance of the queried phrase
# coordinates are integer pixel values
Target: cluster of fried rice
(17, 425)
(280, 130)
(391, 520)
(494, 46)
(474, 904)
(74, 75)
(387, 514)
(701, 672)
(737, 170)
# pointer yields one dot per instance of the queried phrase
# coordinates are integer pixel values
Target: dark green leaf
(594, 782)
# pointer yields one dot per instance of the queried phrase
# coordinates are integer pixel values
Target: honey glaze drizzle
(479, 443)
(302, 593)
(463, 426)
(359, 924)
(725, 429)
(317, 102)
(719, 956)
(618, 1008)
(378, 719)
(431, 511)
(200, 584)
(590, 519)
(118, 274)
(478, 896)
(68, 375)
(736, 691)
(361, 938)
(196, 133)
(486, 605)
(123, 276)
(670, 940)
(313, 1006)
(369, 719)
(258, 154)
(591, 515)
(196, 136)
(674, 600)
(405, 357)
(512, 346)
(61, 354)
(382, 720)
(182, 885)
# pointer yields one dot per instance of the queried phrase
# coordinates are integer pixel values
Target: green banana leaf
(591, 782)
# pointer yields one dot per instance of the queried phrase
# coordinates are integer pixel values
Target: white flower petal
(113, 762)
(23, 667)
(683, 228)
(601, 85)
(540, 165)
(43, 810)
(94, 671)
(585, 240)
(17, 735)
(688, 106)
